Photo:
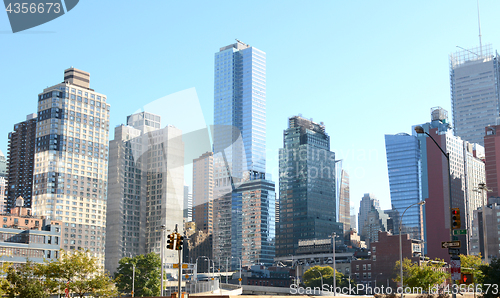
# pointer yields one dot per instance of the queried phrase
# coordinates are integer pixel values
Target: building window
(364, 266)
(370, 275)
(374, 248)
(369, 266)
(357, 267)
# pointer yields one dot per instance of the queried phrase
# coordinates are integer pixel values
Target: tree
(79, 272)
(312, 278)
(426, 275)
(472, 264)
(492, 277)
(25, 280)
(147, 275)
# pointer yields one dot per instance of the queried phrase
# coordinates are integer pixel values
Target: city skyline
(428, 45)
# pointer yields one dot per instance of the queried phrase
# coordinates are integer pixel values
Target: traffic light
(170, 241)
(466, 279)
(180, 239)
(455, 217)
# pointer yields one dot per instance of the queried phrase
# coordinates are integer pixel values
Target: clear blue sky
(364, 68)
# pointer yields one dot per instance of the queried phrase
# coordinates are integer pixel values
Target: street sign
(184, 266)
(448, 244)
(187, 276)
(459, 232)
(453, 251)
(455, 269)
(176, 265)
(239, 279)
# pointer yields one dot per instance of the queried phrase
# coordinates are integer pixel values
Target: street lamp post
(401, 245)
(133, 275)
(334, 265)
(319, 275)
(240, 266)
(196, 266)
(482, 187)
(161, 255)
(419, 129)
(226, 270)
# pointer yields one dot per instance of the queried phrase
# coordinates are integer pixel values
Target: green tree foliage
(25, 280)
(40, 280)
(428, 274)
(491, 276)
(147, 275)
(312, 278)
(82, 272)
(472, 264)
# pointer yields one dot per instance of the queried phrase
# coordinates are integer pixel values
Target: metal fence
(203, 286)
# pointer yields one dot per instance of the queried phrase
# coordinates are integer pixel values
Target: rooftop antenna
(479, 23)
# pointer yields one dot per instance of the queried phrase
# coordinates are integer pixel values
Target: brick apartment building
(379, 265)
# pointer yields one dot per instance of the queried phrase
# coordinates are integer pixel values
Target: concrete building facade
(492, 156)
(203, 184)
(146, 188)
(25, 237)
(3, 165)
(71, 161)
(467, 171)
(475, 92)
(344, 202)
(20, 161)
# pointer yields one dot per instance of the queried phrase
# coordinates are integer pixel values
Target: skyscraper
(344, 202)
(3, 165)
(492, 162)
(188, 205)
(239, 144)
(403, 165)
(475, 92)
(307, 186)
(367, 203)
(467, 171)
(20, 162)
(146, 188)
(71, 159)
(203, 185)
(3, 194)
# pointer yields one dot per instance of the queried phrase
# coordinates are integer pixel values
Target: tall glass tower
(240, 109)
(403, 164)
(307, 201)
(475, 92)
(239, 155)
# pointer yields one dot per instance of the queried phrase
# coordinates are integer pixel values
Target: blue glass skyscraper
(240, 109)
(239, 137)
(403, 164)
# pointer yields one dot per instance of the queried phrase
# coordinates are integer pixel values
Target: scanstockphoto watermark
(361, 289)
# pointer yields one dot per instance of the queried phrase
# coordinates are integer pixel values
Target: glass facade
(307, 205)
(239, 158)
(403, 164)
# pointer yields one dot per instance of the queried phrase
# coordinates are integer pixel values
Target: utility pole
(161, 255)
